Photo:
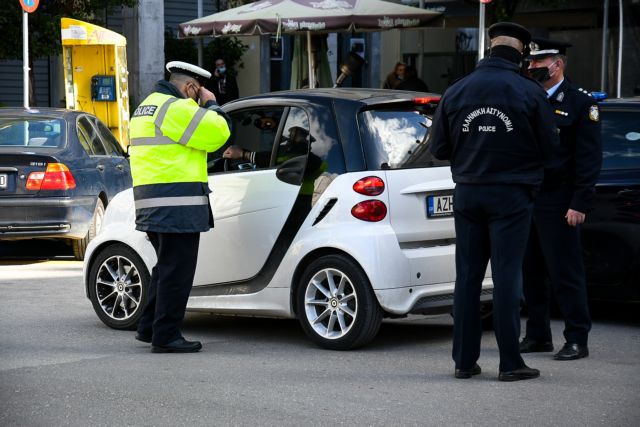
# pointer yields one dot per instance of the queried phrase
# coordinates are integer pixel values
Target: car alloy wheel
(336, 305)
(118, 286)
(331, 303)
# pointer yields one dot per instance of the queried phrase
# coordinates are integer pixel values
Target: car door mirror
(292, 170)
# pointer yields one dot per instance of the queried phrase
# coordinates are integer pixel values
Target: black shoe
(467, 373)
(143, 338)
(178, 346)
(531, 346)
(572, 351)
(524, 373)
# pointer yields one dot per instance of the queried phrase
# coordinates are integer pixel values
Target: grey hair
(507, 41)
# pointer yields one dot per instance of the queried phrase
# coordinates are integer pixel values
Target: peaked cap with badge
(179, 67)
(542, 48)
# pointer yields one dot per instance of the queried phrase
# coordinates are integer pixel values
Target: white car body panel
(396, 253)
(246, 224)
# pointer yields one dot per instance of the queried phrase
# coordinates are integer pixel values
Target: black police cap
(510, 29)
(543, 48)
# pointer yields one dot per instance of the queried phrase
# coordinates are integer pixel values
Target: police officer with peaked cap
(496, 127)
(172, 131)
(565, 198)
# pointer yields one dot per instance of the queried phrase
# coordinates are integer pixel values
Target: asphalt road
(59, 365)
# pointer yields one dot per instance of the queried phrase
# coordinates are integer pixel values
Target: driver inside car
(292, 146)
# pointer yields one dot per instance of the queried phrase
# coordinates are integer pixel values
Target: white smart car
(341, 219)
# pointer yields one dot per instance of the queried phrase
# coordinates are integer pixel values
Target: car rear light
(427, 100)
(56, 177)
(369, 186)
(370, 210)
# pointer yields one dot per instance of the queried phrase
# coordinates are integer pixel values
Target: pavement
(59, 365)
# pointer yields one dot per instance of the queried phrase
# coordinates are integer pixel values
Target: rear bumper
(425, 299)
(67, 217)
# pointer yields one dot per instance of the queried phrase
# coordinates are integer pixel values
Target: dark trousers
(170, 286)
(554, 251)
(492, 223)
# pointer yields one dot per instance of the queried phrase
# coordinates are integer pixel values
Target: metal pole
(25, 57)
(620, 40)
(605, 48)
(481, 32)
(312, 77)
(200, 12)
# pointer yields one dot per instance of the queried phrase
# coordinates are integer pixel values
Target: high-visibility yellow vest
(170, 138)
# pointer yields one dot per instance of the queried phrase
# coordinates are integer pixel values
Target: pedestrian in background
(497, 129)
(223, 84)
(394, 77)
(554, 248)
(411, 81)
(172, 131)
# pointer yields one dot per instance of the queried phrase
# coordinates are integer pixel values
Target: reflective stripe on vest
(171, 201)
(193, 125)
(159, 138)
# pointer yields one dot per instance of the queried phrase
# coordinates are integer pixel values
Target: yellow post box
(95, 74)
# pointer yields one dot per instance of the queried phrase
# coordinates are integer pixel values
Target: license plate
(438, 206)
(3, 181)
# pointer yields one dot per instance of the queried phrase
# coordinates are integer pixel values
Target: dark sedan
(611, 234)
(58, 171)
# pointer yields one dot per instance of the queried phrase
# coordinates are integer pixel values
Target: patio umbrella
(308, 17)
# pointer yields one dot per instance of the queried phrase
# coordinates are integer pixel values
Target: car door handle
(119, 167)
(100, 168)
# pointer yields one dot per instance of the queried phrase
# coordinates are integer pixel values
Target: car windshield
(620, 139)
(31, 132)
(397, 138)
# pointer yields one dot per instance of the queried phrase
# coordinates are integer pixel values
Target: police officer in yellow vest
(171, 132)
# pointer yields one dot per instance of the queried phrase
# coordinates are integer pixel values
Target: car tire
(118, 283)
(80, 245)
(336, 305)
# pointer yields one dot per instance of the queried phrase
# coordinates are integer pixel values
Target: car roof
(364, 95)
(621, 102)
(60, 113)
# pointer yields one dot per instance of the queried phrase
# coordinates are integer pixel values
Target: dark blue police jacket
(495, 126)
(580, 152)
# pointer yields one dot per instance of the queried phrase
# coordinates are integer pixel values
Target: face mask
(540, 74)
(196, 97)
(222, 70)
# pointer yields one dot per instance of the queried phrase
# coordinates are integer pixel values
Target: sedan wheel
(117, 286)
(336, 306)
(80, 246)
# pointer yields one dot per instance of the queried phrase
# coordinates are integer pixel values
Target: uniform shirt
(496, 126)
(580, 152)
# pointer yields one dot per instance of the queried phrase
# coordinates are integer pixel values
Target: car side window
(294, 139)
(110, 142)
(620, 139)
(255, 130)
(88, 132)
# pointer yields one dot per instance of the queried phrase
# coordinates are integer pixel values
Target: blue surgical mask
(222, 70)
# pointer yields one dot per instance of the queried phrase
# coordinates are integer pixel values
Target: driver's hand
(233, 152)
